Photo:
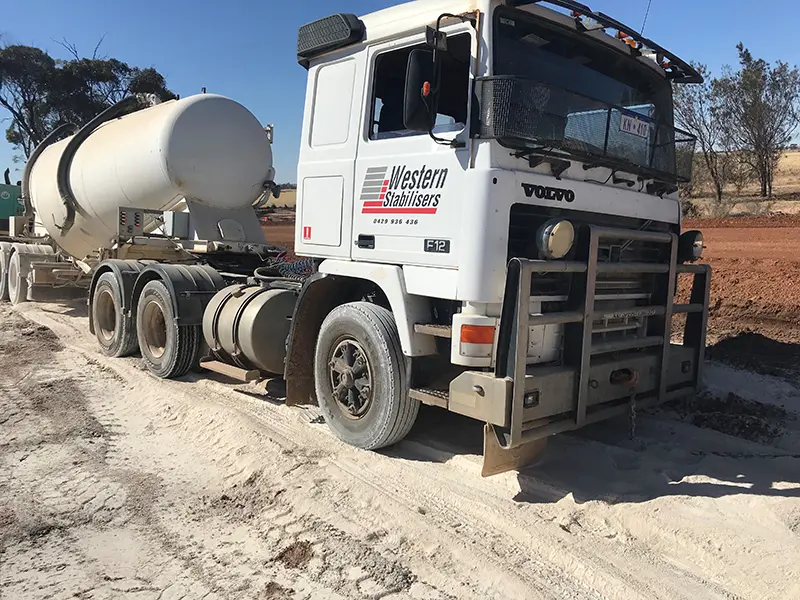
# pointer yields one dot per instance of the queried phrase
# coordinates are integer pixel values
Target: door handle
(367, 242)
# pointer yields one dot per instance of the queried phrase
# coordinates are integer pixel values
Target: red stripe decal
(398, 211)
(372, 203)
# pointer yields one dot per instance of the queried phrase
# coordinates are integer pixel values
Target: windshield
(568, 91)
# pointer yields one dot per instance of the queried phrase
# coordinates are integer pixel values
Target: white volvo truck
(487, 197)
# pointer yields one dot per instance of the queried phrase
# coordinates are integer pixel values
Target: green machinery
(10, 204)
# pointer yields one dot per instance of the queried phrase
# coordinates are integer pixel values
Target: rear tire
(115, 331)
(169, 350)
(358, 349)
(17, 284)
(5, 253)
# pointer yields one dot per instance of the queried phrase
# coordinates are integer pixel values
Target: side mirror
(419, 108)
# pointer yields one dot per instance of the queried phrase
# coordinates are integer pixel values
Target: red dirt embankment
(755, 290)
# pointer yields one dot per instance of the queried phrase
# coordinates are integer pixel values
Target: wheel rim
(351, 378)
(106, 315)
(154, 328)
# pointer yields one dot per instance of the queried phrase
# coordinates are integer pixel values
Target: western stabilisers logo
(404, 192)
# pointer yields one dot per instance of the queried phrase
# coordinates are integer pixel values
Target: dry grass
(788, 175)
(786, 190)
(288, 198)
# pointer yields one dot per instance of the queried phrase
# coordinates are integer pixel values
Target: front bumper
(525, 402)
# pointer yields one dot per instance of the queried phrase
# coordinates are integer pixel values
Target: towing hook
(628, 378)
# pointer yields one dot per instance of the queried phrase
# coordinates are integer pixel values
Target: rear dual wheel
(13, 282)
(114, 329)
(169, 350)
(5, 255)
(16, 285)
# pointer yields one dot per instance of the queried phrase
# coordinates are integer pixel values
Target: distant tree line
(41, 92)
(743, 121)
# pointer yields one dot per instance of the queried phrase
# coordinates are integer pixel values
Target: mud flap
(497, 459)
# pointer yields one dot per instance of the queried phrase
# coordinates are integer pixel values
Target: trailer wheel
(5, 254)
(169, 350)
(115, 331)
(17, 284)
(361, 377)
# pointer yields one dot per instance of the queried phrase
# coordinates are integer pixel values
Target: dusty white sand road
(116, 485)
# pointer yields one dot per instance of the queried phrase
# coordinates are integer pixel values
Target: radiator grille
(614, 293)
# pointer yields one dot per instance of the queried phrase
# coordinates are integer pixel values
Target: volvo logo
(548, 193)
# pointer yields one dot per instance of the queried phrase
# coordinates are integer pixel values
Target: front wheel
(361, 377)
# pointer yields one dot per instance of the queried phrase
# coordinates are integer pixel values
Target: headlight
(556, 238)
(690, 246)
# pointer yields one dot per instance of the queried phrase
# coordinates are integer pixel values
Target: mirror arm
(437, 82)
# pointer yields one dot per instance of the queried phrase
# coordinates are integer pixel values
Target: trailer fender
(126, 272)
(337, 283)
(191, 287)
(29, 253)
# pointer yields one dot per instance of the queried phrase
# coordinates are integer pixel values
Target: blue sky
(245, 49)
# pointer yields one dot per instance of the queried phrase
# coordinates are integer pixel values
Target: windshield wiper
(559, 164)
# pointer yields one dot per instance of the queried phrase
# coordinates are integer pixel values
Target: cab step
(442, 331)
(431, 397)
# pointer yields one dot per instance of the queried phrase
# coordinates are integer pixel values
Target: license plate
(634, 126)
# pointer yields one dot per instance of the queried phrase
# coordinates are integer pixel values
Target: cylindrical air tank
(207, 148)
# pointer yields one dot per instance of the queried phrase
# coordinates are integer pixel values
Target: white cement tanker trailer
(205, 152)
(146, 208)
(205, 148)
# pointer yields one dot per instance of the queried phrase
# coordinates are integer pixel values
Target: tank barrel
(206, 148)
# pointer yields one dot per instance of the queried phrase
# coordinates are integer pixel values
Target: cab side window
(389, 90)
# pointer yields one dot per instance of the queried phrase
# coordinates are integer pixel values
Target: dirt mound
(239, 502)
(732, 415)
(756, 352)
(23, 341)
(297, 555)
(275, 591)
(63, 403)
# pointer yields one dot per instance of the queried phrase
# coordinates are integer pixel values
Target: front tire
(169, 350)
(115, 331)
(361, 377)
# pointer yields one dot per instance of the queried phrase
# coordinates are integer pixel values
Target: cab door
(408, 187)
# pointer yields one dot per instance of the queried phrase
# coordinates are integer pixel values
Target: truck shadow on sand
(670, 456)
(69, 308)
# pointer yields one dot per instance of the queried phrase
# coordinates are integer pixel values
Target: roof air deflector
(331, 33)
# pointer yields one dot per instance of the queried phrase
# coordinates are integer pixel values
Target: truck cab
(501, 177)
